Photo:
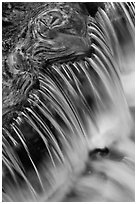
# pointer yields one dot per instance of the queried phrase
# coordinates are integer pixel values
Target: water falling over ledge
(68, 104)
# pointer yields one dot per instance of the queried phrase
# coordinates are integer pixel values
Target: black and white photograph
(68, 101)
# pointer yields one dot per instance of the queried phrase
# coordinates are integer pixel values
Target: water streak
(76, 109)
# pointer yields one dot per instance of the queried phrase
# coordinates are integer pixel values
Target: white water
(111, 178)
(94, 178)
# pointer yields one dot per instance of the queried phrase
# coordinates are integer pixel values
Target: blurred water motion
(68, 102)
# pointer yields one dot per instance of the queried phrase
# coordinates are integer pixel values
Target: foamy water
(81, 117)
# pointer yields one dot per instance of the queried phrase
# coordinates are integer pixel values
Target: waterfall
(69, 134)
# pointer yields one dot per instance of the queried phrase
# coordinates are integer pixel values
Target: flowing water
(68, 126)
